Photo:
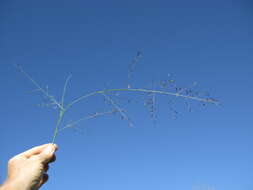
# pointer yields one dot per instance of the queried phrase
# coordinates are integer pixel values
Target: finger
(36, 150)
(44, 179)
(33, 151)
(52, 159)
(47, 154)
(55, 146)
(46, 167)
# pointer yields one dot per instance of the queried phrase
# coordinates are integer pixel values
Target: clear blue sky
(210, 42)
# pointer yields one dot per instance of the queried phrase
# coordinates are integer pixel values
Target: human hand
(27, 171)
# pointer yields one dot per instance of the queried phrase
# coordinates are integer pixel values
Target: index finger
(35, 150)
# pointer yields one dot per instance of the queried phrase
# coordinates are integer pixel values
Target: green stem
(61, 114)
(141, 90)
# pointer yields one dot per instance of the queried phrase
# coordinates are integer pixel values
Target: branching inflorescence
(164, 87)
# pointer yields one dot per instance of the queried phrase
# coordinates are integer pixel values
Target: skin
(27, 171)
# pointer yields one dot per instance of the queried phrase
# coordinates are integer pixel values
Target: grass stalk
(141, 90)
(62, 108)
(61, 114)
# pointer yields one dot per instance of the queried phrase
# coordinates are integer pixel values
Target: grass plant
(63, 107)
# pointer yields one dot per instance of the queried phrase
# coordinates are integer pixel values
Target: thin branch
(153, 115)
(132, 66)
(150, 103)
(64, 90)
(61, 114)
(97, 114)
(39, 88)
(207, 100)
(121, 111)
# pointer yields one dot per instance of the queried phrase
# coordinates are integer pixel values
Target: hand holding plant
(27, 171)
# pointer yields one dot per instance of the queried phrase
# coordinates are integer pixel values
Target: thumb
(47, 154)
